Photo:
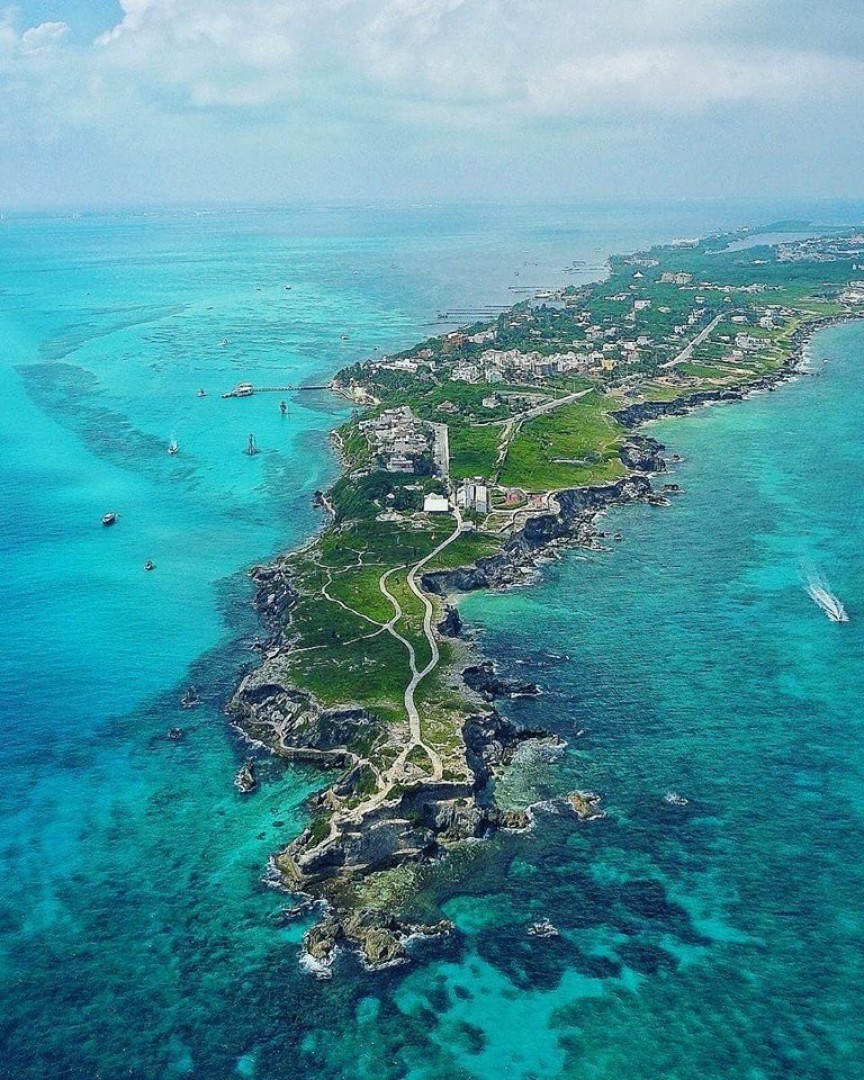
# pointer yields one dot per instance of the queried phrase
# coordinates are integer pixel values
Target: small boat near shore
(109, 518)
(173, 447)
(830, 604)
(252, 447)
(243, 389)
(201, 393)
(149, 565)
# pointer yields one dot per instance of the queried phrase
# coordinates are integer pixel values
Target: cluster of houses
(513, 365)
(398, 438)
(820, 249)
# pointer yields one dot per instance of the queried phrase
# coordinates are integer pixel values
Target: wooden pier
(237, 392)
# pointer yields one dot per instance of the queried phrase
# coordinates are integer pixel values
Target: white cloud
(45, 36)
(687, 79)
(411, 62)
(553, 57)
(318, 76)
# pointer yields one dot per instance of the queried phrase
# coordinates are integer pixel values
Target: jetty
(248, 389)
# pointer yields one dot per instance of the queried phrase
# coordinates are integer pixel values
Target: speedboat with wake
(830, 604)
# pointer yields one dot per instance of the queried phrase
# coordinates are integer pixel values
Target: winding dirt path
(396, 771)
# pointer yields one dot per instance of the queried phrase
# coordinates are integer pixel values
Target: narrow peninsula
(468, 458)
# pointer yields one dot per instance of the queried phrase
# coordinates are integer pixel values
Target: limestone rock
(451, 624)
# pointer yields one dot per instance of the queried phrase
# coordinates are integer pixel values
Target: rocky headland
(411, 765)
(421, 820)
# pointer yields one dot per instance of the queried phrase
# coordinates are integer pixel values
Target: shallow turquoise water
(718, 939)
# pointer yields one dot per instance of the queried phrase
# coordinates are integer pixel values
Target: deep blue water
(136, 939)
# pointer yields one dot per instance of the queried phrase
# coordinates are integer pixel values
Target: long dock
(283, 389)
(236, 392)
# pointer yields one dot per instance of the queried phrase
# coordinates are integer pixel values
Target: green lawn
(473, 450)
(574, 446)
(464, 551)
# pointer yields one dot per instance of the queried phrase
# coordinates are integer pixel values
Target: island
(468, 458)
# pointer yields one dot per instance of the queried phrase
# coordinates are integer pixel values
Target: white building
(436, 504)
(473, 496)
(465, 372)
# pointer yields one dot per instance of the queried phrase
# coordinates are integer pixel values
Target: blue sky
(126, 101)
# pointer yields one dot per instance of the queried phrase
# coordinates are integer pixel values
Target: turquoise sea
(724, 938)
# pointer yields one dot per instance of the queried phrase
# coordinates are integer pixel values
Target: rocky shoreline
(426, 818)
(419, 824)
(633, 415)
(329, 861)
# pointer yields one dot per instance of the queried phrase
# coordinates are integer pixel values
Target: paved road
(687, 352)
(441, 449)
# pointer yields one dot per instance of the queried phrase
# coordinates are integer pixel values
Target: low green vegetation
(473, 450)
(573, 446)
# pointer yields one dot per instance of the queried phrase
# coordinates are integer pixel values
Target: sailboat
(252, 447)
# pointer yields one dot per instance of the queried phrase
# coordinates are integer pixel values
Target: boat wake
(820, 593)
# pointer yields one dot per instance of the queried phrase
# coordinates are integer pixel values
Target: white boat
(243, 389)
(173, 447)
(830, 604)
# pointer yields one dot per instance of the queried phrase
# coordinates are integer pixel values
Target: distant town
(713, 313)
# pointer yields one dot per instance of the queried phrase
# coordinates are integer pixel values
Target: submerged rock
(483, 678)
(544, 929)
(245, 781)
(585, 805)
